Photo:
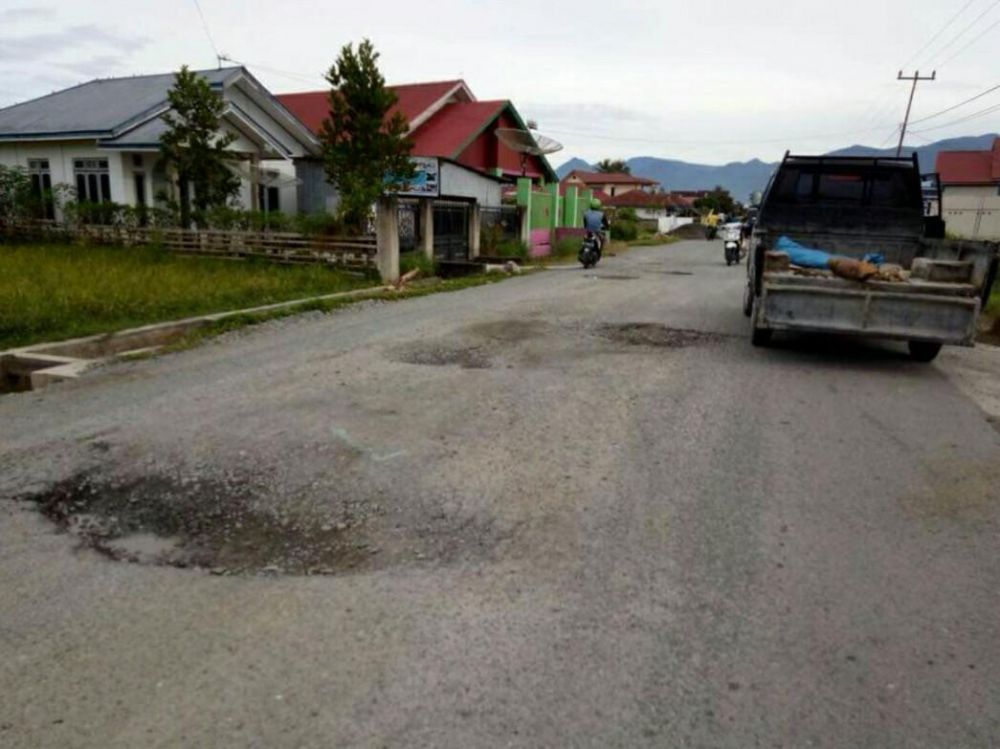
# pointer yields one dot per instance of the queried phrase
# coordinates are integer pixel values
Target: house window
(41, 187)
(93, 183)
(268, 198)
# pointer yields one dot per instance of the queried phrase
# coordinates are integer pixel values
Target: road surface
(571, 509)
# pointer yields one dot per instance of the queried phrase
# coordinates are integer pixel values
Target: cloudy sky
(706, 81)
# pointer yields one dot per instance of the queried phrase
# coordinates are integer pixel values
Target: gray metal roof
(102, 107)
(147, 135)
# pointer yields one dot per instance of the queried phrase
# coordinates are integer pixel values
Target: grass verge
(52, 292)
(420, 288)
(653, 241)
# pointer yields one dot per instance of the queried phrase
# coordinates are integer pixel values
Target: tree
(15, 195)
(194, 149)
(717, 201)
(364, 150)
(608, 166)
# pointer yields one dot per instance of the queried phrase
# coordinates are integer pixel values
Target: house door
(451, 231)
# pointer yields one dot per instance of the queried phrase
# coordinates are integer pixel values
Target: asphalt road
(554, 516)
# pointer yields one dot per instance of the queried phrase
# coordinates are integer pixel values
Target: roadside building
(658, 211)
(462, 166)
(610, 183)
(970, 192)
(102, 139)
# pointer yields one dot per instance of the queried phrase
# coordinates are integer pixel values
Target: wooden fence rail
(281, 247)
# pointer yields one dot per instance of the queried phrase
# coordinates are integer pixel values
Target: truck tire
(758, 336)
(924, 351)
(761, 336)
(748, 301)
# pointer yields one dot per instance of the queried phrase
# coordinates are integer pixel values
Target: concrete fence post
(387, 238)
(475, 225)
(427, 228)
(524, 203)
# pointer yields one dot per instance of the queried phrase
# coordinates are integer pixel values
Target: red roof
(969, 167)
(640, 199)
(447, 131)
(609, 178)
(312, 107)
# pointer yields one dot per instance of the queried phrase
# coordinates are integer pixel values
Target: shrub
(567, 247)
(626, 231)
(512, 248)
(416, 259)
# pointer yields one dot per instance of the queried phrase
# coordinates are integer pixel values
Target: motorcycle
(590, 250)
(731, 240)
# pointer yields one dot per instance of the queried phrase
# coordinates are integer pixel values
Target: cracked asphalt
(571, 509)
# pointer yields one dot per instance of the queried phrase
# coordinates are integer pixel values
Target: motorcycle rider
(594, 221)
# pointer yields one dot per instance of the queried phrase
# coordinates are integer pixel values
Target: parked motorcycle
(590, 250)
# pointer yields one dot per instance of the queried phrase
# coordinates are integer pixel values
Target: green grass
(412, 291)
(653, 240)
(54, 292)
(993, 306)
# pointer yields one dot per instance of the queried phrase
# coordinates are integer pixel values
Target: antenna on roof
(527, 144)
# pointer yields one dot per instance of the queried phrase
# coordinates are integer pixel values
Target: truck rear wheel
(760, 336)
(924, 351)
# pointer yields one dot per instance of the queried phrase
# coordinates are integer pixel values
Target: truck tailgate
(944, 313)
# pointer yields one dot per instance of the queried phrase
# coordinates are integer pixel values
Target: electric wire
(975, 39)
(956, 106)
(936, 36)
(208, 33)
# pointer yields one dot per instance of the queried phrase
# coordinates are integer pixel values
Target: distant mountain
(572, 164)
(743, 178)
(740, 178)
(927, 155)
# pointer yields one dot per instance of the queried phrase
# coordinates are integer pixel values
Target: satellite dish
(527, 144)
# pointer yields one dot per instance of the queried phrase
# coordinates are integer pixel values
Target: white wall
(972, 211)
(459, 182)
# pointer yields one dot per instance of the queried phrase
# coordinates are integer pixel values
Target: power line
(974, 115)
(975, 39)
(956, 106)
(204, 25)
(934, 38)
(816, 136)
(961, 33)
(277, 71)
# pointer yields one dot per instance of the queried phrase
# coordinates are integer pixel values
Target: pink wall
(541, 242)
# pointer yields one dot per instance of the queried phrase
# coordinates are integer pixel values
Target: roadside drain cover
(215, 524)
(654, 334)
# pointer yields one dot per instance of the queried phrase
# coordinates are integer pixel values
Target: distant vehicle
(879, 266)
(732, 240)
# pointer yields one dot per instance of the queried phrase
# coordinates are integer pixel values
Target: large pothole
(216, 524)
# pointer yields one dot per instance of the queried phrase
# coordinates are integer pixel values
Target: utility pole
(915, 77)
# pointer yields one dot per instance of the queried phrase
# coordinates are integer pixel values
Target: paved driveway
(572, 509)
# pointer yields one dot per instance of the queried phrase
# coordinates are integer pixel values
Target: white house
(102, 139)
(970, 192)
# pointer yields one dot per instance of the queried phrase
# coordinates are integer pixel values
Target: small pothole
(613, 277)
(655, 334)
(441, 355)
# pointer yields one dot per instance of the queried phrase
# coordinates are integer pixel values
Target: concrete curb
(38, 365)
